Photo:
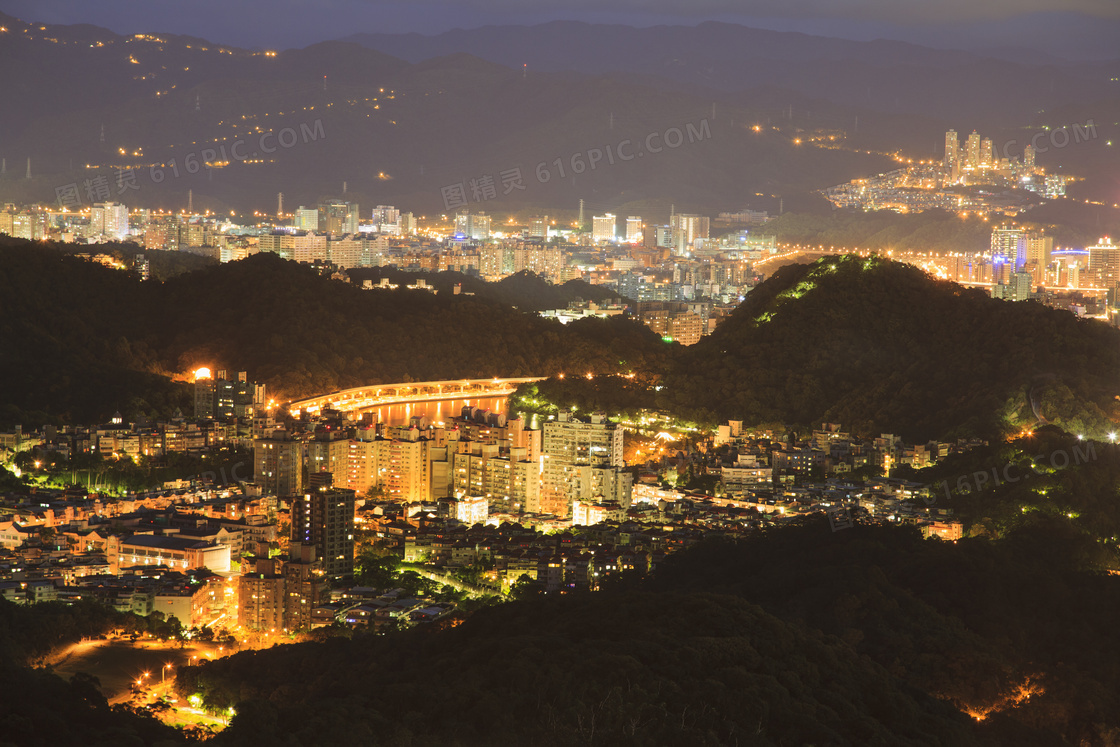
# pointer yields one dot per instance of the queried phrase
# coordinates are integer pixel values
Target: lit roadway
(375, 395)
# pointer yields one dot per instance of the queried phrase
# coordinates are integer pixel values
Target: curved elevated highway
(375, 395)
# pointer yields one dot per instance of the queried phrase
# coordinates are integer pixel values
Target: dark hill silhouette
(869, 635)
(652, 668)
(878, 74)
(82, 341)
(883, 347)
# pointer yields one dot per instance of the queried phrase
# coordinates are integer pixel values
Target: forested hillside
(83, 341)
(882, 347)
(799, 635)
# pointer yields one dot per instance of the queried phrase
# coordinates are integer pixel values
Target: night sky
(1066, 28)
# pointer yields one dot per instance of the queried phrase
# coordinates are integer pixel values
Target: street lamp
(163, 673)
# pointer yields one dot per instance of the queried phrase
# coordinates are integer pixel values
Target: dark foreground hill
(82, 341)
(883, 347)
(796, 636)
(629, 669)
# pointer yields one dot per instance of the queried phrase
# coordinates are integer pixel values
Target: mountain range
(402, 119)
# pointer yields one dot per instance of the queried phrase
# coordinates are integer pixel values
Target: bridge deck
(375, 395)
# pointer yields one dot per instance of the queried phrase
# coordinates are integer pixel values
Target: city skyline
(383, 372)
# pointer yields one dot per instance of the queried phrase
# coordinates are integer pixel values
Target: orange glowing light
(202, 373)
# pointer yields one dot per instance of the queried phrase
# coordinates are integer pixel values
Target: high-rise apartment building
(329, 452)
(603, 227)
(406, 476)
(1039, 247)
(109, 219)
(634, 229)
(686, 228)
(951, 145)
(1011, 245)
(972, 151)
(298, 247)
(473, 225)
(538, 227)
(324, 518)
(337, 217)
(952, 160)
(581, 461)
(278, 464)
(305, 585)
(986, 161)
(408, 224)
(1104, 263)
(387, 219)
(306, 219)
(260, 598)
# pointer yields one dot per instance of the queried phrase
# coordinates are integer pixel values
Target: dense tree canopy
(798, 635)
(882, 347)
(83, 341)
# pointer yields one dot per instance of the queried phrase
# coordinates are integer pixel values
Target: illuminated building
(109, 219)
(278, 464)
(305, 585)
(222, 398)
(548, 262)
(324, 517)
(1039, 247)
(337, 218)
(387, 219)
(7, 219)
(538, 227)
(972, 151)
(406, 476)
(675, 321)
(473, 225)
(363, 461)
(203, 394)
(176, 553)
(1018, 287)
(1104, 263)
(951, 153)
(306, 219)
(142, 267)
(408, 224)
(603, 227)
(328, 452)
(472, 510)
(685, 229)
(352, 251)
(587, 514)
(192, 233)
(29, 224)
(494, 262)
(1010, 244)
(298, 247)
(633, 229)
(260, 598)
(582, 461)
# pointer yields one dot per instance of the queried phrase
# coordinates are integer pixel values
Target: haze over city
(558, 372)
